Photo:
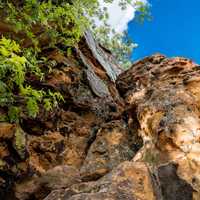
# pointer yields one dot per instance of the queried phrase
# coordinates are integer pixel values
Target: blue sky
(174, 30)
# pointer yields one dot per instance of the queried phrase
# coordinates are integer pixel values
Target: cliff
(119, 135)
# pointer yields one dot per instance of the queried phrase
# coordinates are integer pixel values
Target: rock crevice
(130, 135)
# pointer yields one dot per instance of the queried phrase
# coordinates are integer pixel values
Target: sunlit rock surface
(132, 135)
(165, 93)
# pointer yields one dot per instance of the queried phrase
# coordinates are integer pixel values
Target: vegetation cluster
(60, 22)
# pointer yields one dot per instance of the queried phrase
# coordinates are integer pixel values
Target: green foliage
(15, 93)
(64, 21)
(143, 12)
(120, 44)
(57, 22)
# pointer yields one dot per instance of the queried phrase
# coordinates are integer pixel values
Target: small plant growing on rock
(16, 94)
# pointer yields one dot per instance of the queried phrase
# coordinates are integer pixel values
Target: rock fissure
(119, 135)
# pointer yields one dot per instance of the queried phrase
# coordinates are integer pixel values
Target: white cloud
(118, 18)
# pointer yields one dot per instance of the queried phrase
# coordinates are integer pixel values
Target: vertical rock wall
(165, 93)
(130, 135)
(83, 140)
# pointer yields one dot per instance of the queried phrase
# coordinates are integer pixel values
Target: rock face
(165, 93)
(112, 145)
(82, 141)
(132, 135)
(127, 181)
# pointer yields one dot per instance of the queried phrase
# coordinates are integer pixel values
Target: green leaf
(32, 107)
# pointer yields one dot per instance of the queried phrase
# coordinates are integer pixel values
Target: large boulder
(113, 145)
(131, 181)
(162, 108)
(165, 94)
(64, 137)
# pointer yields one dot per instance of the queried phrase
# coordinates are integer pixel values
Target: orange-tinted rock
(55, 178)
(113, 145)
(166, 96)
(63, 136)
(6, 130)
(128, 181)
(45, 151)
(87, 149)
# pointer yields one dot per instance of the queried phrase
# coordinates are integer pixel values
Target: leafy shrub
(120, 44)
(59, 22)
(15, 93)
(64, 21)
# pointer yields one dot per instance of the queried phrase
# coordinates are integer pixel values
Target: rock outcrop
(166, 95)
(132, 135)
(85, 138)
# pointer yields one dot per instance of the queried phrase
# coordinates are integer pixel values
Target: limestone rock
(112, 145)
(128, 181)
(166, 95)
(64, 136)
(38, 187)
(134, 135)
